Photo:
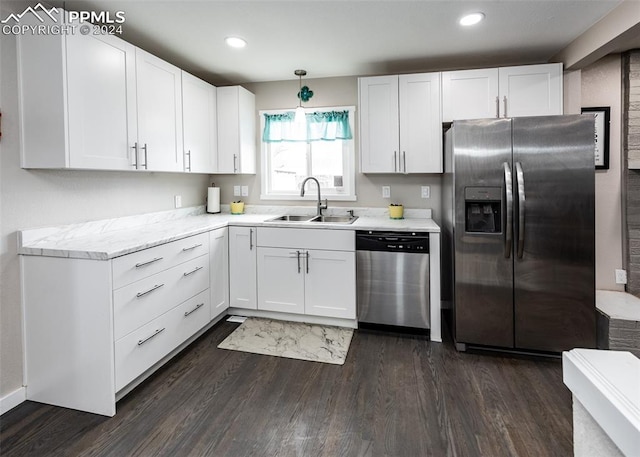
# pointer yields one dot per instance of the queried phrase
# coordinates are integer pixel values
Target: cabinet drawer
(140, 350)
(138, 265)
(334, 240)
(138, 303)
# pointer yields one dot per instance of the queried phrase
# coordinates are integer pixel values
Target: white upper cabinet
(159, 90)
(236, 130)
(101, 102)
(469, 94)
(199, 125)
(420, 125)
(77, 101)
(379, 126)
(400, 127)
(531, 90)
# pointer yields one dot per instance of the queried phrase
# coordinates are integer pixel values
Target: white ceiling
(348, 37)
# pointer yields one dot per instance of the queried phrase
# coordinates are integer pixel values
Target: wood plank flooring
(397, 395)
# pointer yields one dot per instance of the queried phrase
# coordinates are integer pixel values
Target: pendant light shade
(300, 117)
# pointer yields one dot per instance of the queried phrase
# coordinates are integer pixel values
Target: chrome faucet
(320, 205)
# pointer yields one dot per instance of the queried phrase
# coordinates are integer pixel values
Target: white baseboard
(12, 400)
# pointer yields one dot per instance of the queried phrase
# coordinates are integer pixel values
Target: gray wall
(343, 91)
(601, 87)
(37, 198)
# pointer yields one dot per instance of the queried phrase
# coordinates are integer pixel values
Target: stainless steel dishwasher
(392, 276)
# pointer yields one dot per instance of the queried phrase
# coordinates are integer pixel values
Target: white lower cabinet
(307, 271)
(96, 328)
(219, 270)
(281, 280)
(141, 349)
(242, 268)
(330, 284)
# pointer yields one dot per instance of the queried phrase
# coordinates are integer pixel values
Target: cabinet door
(236, 130)
(101, 95)
(420, 125)
(330, 284)
(469, 94)
(379, 130)
(159, 91)
(280, 280)
(242, 267)
(219, 270)
(199, 125)
(531, 90)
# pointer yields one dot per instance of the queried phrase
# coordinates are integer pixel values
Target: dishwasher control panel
(369, 240)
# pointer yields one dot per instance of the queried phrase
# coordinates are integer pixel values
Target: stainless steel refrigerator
(518, 232)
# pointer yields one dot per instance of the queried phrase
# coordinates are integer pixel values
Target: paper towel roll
(213, 200)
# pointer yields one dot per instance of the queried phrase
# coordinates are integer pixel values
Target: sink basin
(290, 218)
(335, 219)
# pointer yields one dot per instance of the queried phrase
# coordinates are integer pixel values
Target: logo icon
(39, 8)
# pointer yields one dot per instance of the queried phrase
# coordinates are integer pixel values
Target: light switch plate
(386, 191)
(236, 191)
(621, 276)
(425, 191)
(178, 201)
(245, 191)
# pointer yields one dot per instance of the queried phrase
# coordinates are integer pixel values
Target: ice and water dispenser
(483, 209)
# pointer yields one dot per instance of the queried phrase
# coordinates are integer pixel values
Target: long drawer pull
(192, 247)
(186, 313)
(192, 271)
(142, 294)
(156, 333)
(144, 264)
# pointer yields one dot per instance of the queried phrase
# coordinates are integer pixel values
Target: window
(289, 156)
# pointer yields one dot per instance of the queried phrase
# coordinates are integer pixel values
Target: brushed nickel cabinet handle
(144, 264)
(142, 294)
(135, 155)
(145, 157)
(497, 106)
(186, 313)
(192, 271)
(156, 333)
(191, 247)
(505, 106)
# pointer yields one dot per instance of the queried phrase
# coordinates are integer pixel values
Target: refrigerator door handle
(521, 208)
(508, 219)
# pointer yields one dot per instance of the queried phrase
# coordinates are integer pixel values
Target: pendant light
(300, 117)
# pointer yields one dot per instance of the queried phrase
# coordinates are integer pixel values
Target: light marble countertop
(606, 383)
(106, 239)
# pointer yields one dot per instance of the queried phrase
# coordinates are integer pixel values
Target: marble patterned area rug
(294, 340)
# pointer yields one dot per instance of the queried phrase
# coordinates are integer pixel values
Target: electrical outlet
(245, 191)
(386, 191)
(178, 201)
(425, 191)
(236, 191)
(621, 276)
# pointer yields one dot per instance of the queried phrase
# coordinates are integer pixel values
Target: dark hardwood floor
(396, 395)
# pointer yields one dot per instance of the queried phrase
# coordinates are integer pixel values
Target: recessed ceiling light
(235, 42)
(471, 19)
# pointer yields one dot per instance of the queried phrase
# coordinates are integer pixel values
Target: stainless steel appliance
(392, 277)
(518, 232)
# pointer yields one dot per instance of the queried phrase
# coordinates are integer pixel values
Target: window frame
(349, 161)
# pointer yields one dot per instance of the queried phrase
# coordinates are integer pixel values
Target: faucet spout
(319, 204)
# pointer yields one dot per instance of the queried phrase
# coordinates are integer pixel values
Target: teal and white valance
(319, 126)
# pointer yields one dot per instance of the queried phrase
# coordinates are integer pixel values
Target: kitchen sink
(335, 219)
(290, 218)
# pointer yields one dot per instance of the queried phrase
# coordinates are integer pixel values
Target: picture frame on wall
(602, 115)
